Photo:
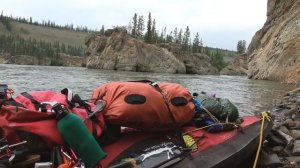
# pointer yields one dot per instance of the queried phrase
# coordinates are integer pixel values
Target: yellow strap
(264, 115)
(190, 142)
(267, 116)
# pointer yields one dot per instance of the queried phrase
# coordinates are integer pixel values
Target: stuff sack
(146, 105)
(221, 108)
(32, 116)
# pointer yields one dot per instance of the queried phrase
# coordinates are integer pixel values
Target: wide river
(248, 95)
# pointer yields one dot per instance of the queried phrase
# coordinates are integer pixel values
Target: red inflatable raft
(224, 149)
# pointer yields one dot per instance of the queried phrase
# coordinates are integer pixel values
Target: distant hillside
(47, 34)
(46, 39)
(42, 41)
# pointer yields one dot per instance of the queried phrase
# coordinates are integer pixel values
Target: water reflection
(247, 95)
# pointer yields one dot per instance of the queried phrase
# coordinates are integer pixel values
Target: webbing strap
(75, 100)
(35, 102)
(155, 85)
(175, 125)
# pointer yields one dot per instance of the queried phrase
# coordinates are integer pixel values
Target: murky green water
(247, 95)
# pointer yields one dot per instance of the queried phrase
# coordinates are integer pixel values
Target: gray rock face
(275, 49)
(65, 59)
(116, 50)
(23, 60)
(74, 61)
(238, 67)
(195, 63)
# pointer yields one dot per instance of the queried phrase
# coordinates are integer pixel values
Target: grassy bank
(47, 34)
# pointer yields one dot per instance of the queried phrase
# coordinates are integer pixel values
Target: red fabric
(152, 115)
(132, 138)
(42, 96)
(13, 119)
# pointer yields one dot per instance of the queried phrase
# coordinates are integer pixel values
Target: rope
(201, 128)
(264, 115)
(211, 115)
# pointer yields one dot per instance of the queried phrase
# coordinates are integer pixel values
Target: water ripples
(248, 95)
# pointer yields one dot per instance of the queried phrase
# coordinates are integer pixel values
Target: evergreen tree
(161, 38)
(169, 37)
(63, 48)
(6, 22)
(179, 39)
(196, 44)
(218, 59)
(135, 24)
(153, 32)
(186, 39)
(175, 37)
(200, 46)
(165, 34)
(241, 46)
(129, 27)
(102, 30)
(140, 26)
(148, 36)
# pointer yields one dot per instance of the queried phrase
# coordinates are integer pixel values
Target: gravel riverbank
(282, 147)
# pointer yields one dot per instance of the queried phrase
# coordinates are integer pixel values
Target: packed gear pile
(156, 106)
(72, 127)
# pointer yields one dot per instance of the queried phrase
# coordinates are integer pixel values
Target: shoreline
(282, 146)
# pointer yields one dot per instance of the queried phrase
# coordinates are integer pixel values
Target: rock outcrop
(69, 60)
(274, 53)
(195, 63)
(238, 67)
(64, 60)
(116, 50)
(23, 60)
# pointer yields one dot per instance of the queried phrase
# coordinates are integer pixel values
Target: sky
(220, 23)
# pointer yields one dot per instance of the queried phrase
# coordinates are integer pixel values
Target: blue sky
(220, 23)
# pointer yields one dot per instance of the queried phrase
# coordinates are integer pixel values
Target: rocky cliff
(116, 50)
(274, 53)
(239, 66)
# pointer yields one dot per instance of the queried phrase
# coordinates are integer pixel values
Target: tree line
(46, 23)
(16, 45)
(151, 35)
(136, 28)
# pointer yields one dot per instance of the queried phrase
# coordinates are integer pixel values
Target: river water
(248, 95)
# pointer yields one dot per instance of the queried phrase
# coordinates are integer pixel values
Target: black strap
(156, 86)
(10, 102)
(76, 100)
(175, 125)
(142, 81)
(35, 102)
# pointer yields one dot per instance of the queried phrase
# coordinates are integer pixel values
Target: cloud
(208, 17)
